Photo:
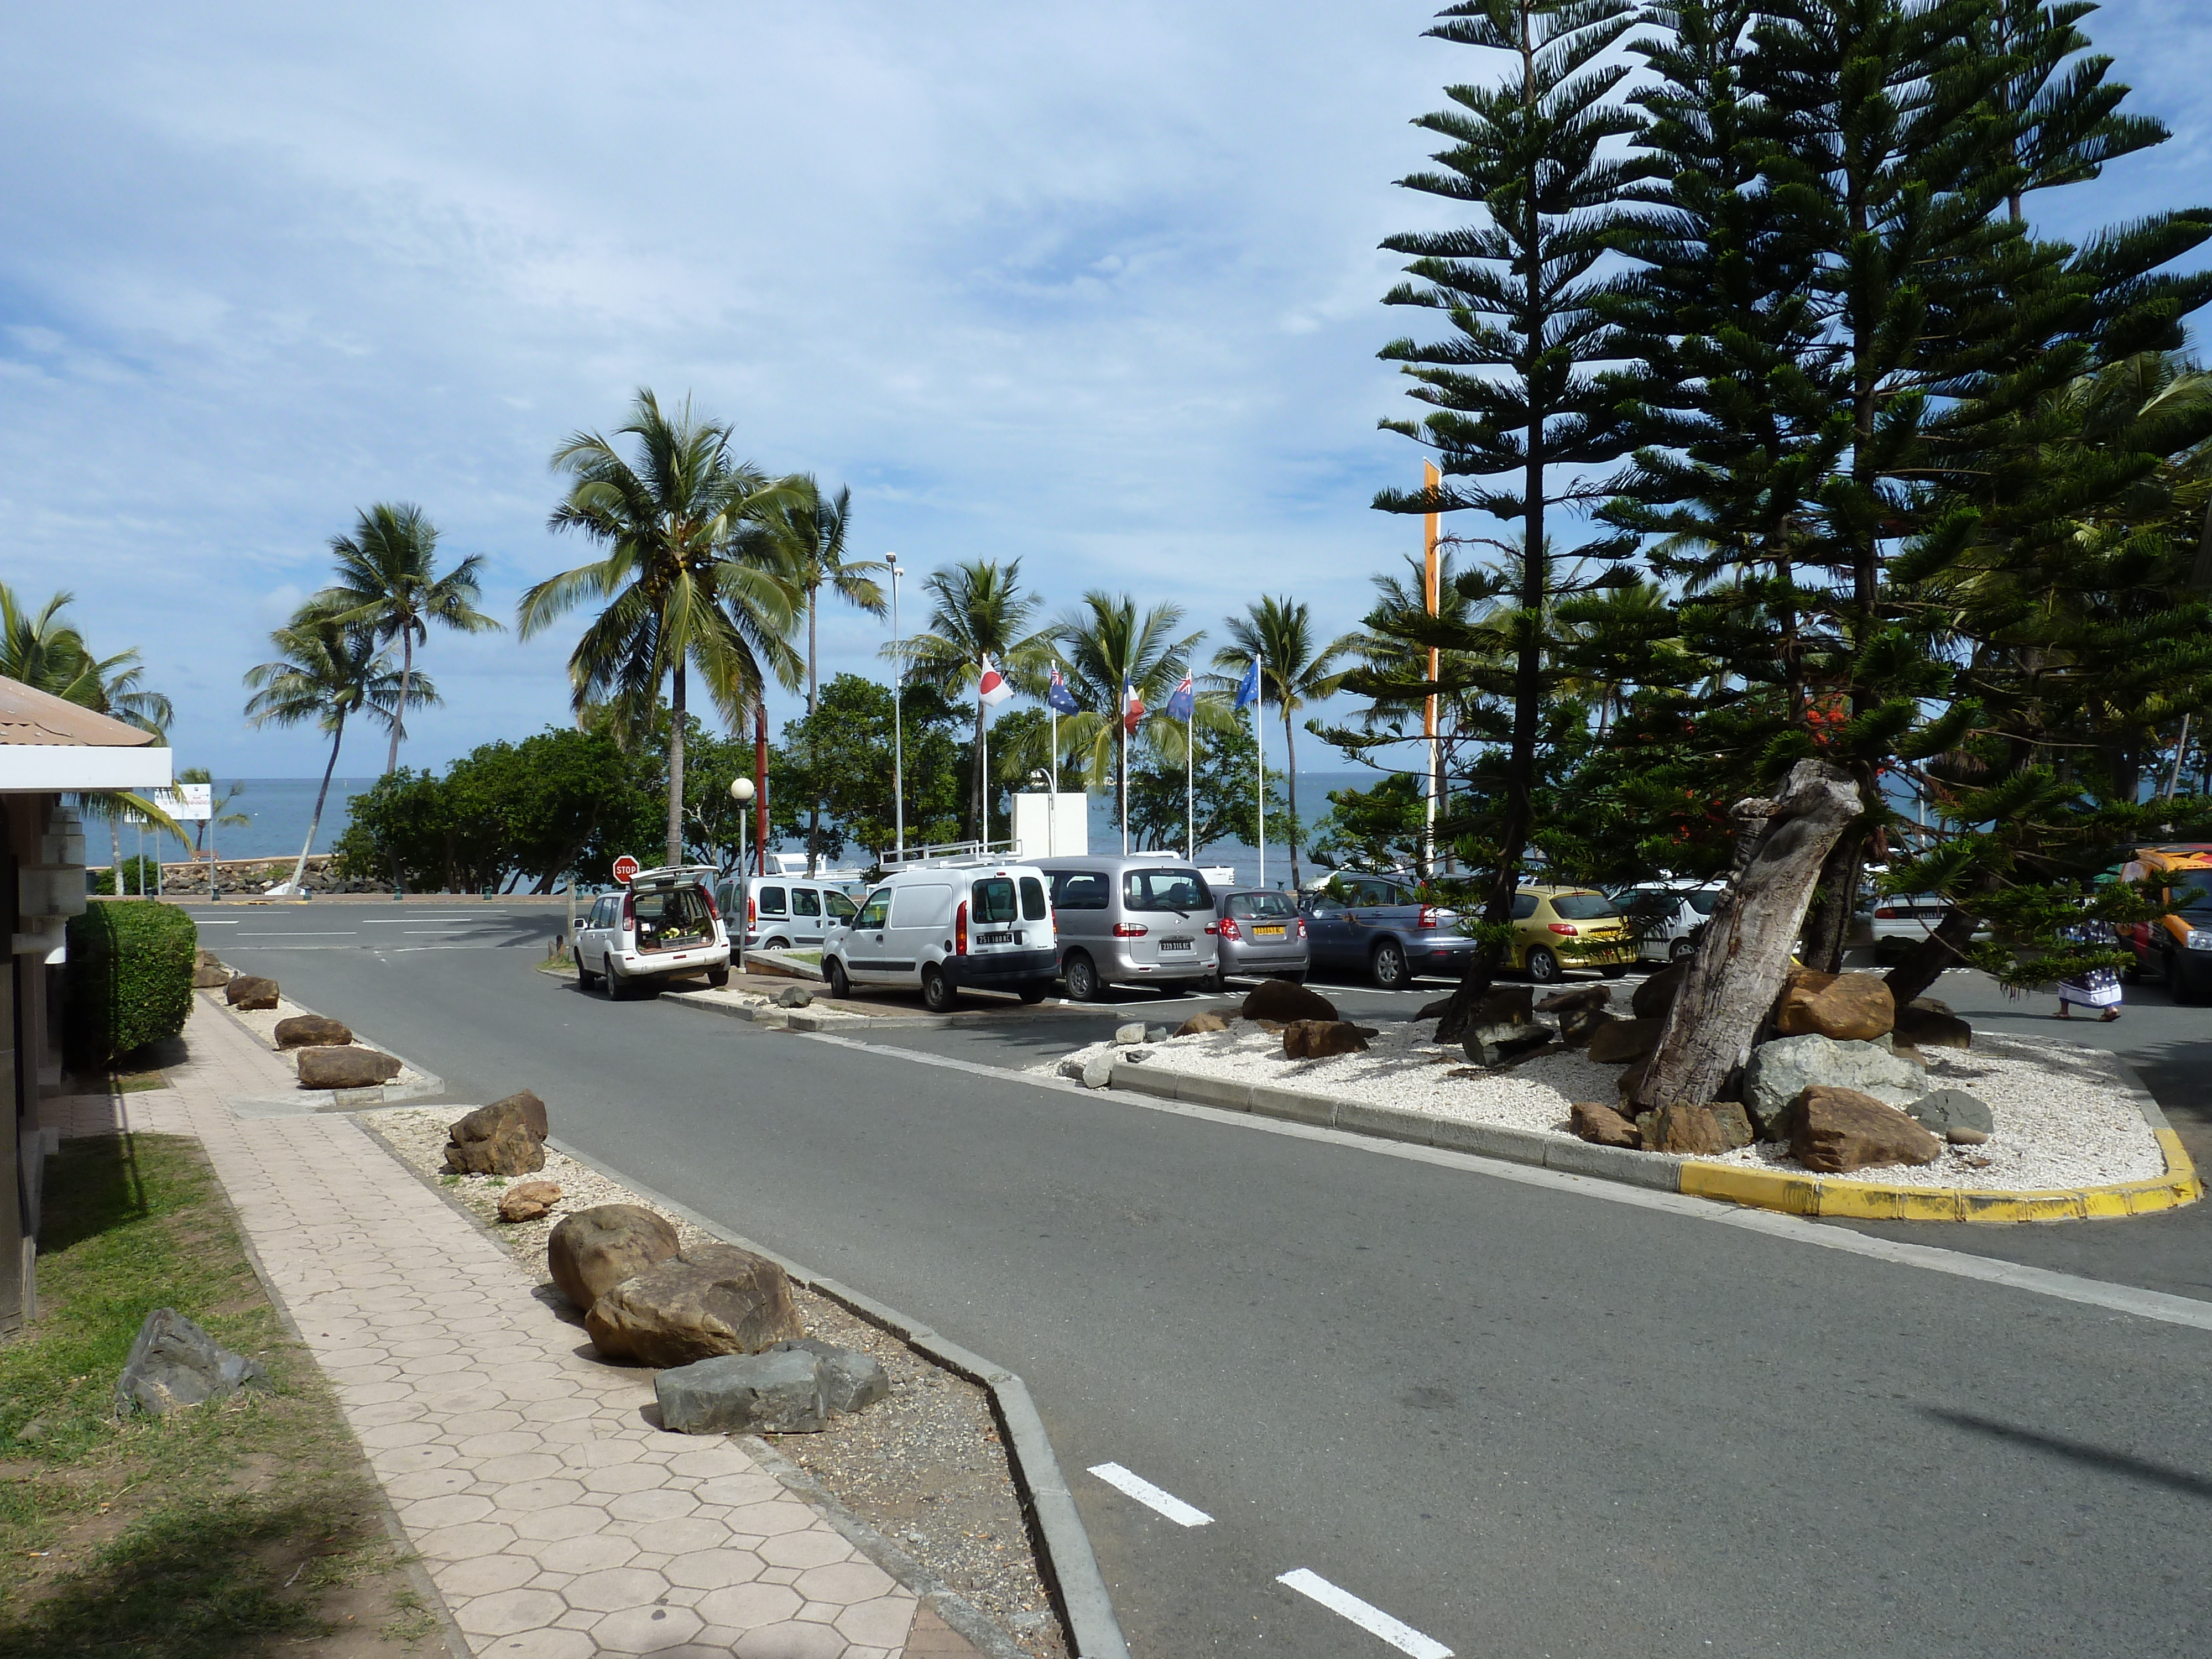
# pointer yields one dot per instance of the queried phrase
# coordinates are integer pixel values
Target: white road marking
(1152, 1496)
(213, 922)
(440, 915)
(1367, 1616)
(304, 933)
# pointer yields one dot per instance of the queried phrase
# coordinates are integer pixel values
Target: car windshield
(2193, 892)
(1164, 890)
(1245, 906)
(1703, 902)
(1583, 907)
(841, 907)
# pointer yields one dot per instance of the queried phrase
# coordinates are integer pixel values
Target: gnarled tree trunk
(1737, 972)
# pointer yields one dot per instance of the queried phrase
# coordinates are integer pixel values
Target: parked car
(1378, 925)
(1262, 936)
(943, 928)
(787, 913)
(1555, 929)
(1665, 920)
(664, 923)
(1139, 919)
(2177, 949)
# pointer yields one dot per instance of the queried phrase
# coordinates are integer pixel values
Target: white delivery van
(946, 926)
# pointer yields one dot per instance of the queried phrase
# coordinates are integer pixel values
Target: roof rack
(952, 851)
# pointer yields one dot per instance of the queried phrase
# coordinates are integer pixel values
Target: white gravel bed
(2062, 1120)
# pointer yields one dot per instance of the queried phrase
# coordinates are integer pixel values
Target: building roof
(30, 716)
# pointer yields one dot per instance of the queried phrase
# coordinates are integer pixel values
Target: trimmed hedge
(130, 979)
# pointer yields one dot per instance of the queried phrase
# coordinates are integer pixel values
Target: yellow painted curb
(1765, 1189)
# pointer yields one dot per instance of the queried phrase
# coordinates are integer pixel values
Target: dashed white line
(1368, 1617)
(1152, 1496)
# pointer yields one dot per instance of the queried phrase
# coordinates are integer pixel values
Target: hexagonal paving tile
(769, 1519)
(562, 1521)
(586, 1553)
(743, 1607)
(505, 1612)
(613, 1589)
(484, 1575)
(471, 1538)
(814, 1547)
(535, 1493)
(790, 1641)
(654, 1504)
(646, 1630)
(712, 1570)
(845, 1583)
(685, 1532)
(882, 1623)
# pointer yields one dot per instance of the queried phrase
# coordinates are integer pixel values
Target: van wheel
(586, 979)
(1543, 966)
(779, 943)
(1081, 976)
(1681, 950)
(1033, 990)
(834, 971)
(937, 992)
(616, 987)
(1388, 965)
(718, 977)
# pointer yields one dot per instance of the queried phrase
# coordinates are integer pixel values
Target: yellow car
(1555, 929)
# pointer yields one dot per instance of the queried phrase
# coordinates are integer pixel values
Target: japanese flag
(992, 686)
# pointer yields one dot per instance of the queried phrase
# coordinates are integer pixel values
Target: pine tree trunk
(1732, 979)
(1827, 927)
(675, 848)
(1944, 948)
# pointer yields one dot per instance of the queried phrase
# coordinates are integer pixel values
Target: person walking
(2095, 987)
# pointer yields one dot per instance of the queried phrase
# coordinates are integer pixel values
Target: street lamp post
(741, 791)
(898, 734)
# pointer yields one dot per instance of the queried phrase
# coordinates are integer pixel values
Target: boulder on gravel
(1097, 1072)
(312, 1031)
(1924, 1022)
(1962, 1118)
(1632, 1080)
(1735, 1123)
(506, 1138)
(529, 1200)
(779, 1391)
(1506, 1044)
(209, 975)
(1432, 1010)
(1603, 1126)
(593, 1250)
(1199, 1023)
(1783, 1069)
(1131, 1032)
(713, 1298)
(1280, 1000)
(1848, 1007)
(1506, 1005)
(251, 991)
(1836, 1131)
(1578, 1025)
(349, 1067)
(794, 996)
(174, 1363)
(851, 1381)
(1686, 1131)
(1318, 1039)
(1624, 1041)
(1656, 994)
(1580, 998)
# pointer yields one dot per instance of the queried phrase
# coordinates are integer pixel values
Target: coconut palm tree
(219, 803)
(692, 577)
(389, 583)
(1105, 645)
(976, 610)
(1295, 670)
(327, 673)
(812, 529)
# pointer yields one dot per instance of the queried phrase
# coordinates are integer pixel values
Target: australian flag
(1183, 700)
(1060, 697)
(1247, 688)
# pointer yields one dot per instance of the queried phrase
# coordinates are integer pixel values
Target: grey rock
(851, 1381)
(1132, 1032)
(1157, 1033)
(1072, 1069)
(175, 1364)
(1962, 1118)
(1735, 1123)
(1098, 1071)
(1504, 1043)
(793, 996)
(1782, 1070)
(779, 1391)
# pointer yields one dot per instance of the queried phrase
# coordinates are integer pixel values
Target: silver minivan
(1139, 919)
(786, 913)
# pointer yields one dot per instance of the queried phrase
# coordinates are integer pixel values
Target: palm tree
(219, 812)
(1293, 672)
(328, 673)
(692, 577)
(388, 582)
(812, 530)
(1104, 645)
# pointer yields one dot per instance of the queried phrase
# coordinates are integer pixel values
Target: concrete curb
(1070, 1568)
(1727, 1183)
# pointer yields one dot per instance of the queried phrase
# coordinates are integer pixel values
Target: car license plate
(998, 938)
(1175, 944)
(1269, 932)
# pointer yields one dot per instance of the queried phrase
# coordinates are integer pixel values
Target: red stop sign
(625, 867)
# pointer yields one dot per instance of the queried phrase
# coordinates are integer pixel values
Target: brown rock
(1603, 1125)
(1735, 1123)
(1624, 1042)
(345, 1069)
(1839, 1130)
(312, 1031)
(1686, 1131)
(1845, 1007)
(1578, 1025)
(506, 1138)
(1581, 999)
(1656, 994)
(1199, 1023)
(208, 975)
(715, 1298)
(1924, 1022)
(1632, 1079)
(1317, 1039)
(248, 991)
(528, 1201)
(1506, 1005)
(1277, 999)
(593, 1250)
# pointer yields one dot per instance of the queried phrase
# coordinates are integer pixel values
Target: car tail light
(1130, 930)
(1302, 926)
(1563, 928)
(960, 930)
(1228, 928)
(1427, 918)
(629, 911)
(752, 913)
(1888, 912)
(714, 914)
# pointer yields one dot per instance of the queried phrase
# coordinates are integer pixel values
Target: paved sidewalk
(557, 1521)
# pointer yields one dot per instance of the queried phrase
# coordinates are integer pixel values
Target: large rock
(794, 996)
(1686, 1131)
(506, 1138)
(312, 1031)
(1656, 994)
(1201, 1023)
(1280, 1000)
(593, 1250)
(1502, 1045)
(1579, 999)
(714, 1298)
(1925, 1023)
(1836, 1131)
(1624, 1041)
(1506, 1005)
(529, 1200)
(774, 1392)
(1849, 1007)
(851, 1381)
(173, 1363)
(1097, 1072)
(1602, 1125)
(209, 975)
(1134, 1031)
(1318, 1039)
(1734, 1122)
(251, 991)
(1962, 1118)
(1783, 1069)
(1578, 1025)
(345, 1069)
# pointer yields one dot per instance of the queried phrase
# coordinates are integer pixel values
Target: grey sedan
(1262, 936)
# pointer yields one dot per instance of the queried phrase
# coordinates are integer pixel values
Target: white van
(946, 926)
(785, 913)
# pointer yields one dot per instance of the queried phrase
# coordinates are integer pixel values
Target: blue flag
(1060, 697)
(1247, 689)
(1184, 700)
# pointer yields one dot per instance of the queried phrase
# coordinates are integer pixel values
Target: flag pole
(1260, 758)
(1052, 806)
(1189, 786)
(1124, 724)
(1432, 528)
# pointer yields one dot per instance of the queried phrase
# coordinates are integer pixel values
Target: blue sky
(1093, 287)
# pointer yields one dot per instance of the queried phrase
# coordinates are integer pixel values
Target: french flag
(991, 685)
(1132, 707)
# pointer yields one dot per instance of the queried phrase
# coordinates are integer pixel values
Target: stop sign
(625, 867)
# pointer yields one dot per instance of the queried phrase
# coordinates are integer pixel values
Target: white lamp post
(741, 791)
(898, 735)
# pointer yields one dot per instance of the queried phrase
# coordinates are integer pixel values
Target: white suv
(943, 928)
(662, 925)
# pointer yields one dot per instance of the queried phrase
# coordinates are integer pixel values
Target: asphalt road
(1519, 1419)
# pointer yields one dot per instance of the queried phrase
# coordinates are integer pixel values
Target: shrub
(130, 980)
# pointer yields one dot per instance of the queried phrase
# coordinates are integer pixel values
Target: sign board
(189, 803)
(625, 867)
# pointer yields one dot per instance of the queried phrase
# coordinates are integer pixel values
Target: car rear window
(1524, 906)
(1164, 890)
(1584, 907)
(1079, 889)
(667, 916)
(1245, 906)
(991, 900)
(1703, 902)
(1034, 907)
